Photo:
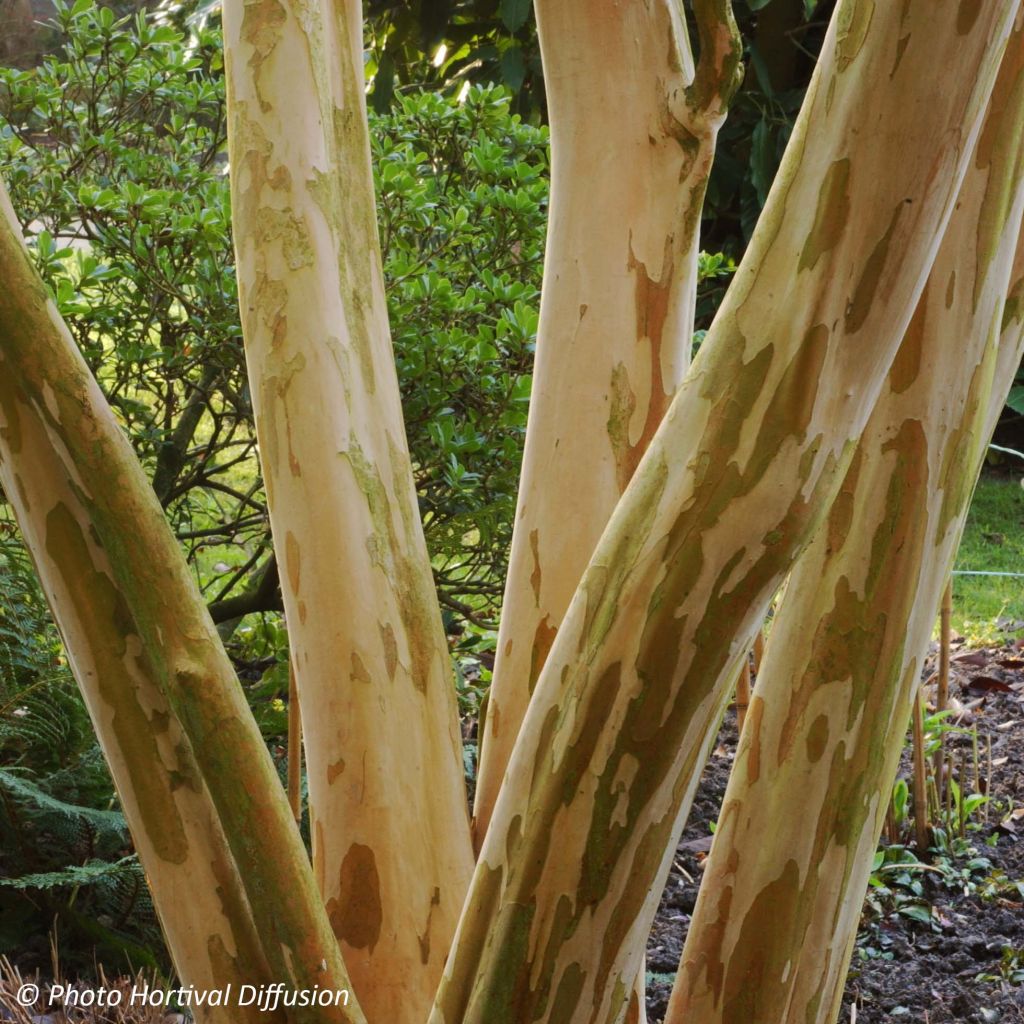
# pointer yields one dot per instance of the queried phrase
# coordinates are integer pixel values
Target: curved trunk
(631, 120)
(774, 924)
(751, 451)
(192, 770)
(391, 845)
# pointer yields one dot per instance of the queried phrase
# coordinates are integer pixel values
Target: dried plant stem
(948, 792)
(961, 776)
(975, 757)
(920, 780)
(988, 775)
(942, 687)
(942, 697)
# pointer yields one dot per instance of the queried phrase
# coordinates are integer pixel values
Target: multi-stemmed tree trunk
(754, 445)
(785, 414)
(834, 694)
(615, 329)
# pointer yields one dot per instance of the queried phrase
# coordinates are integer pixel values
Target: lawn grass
(993, 541)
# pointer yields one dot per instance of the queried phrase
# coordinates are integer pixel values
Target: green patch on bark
(1013, 311)
(961, 452)
(999, 149)
(411, 590)
(505, 999)
(10, 399)
(325, 189)
(457, 987)
(622, 403)
(567, 995)
(262, 21)
(288, 230)
(106, 619)
(852, 24)
(906, 365)
(755, 965)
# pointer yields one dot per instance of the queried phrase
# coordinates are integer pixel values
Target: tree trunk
(391, 845)
(771, 934)
(191, 767)
(616, 322)
(753, 448)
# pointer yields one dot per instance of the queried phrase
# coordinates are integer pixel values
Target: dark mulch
(960, 967)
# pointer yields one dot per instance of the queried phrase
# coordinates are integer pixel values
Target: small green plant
(1010, 969)
(998, 886)
(899, 814)
(896, 887)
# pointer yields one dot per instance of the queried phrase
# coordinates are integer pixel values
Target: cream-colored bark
(633, 128)
(210, 821)
(774, 924)
(391, 845)
(752, 449)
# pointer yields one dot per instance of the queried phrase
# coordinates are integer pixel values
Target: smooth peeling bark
(193, 773)
(391, 846)
(754, 446)
(781, 896)
(632, 118)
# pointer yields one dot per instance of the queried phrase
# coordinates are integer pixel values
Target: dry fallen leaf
(988, 684)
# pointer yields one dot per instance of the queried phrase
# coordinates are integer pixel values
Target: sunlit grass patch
(993, 542)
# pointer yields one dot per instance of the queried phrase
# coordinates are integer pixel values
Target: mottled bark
(633, 129)
(771, 934)
(391, 846)
(210, 819)
(848, 643)
(753, 448)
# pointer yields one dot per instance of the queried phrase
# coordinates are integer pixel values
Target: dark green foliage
(781, 40)
(463, 193)
(112, 152)
(444, 45)
(42, 718)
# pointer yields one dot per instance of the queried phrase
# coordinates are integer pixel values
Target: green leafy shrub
(462, 205)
